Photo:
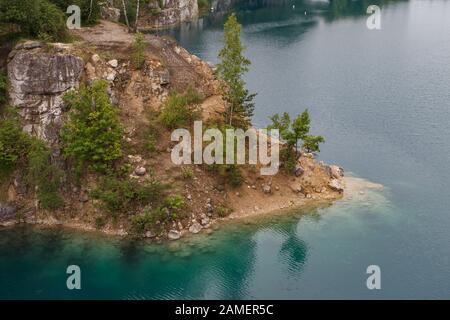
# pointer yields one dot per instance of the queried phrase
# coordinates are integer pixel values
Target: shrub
(142, 222)
(180, 110)
(223, 211)
(203, 5)
(35, 17)
(14, 143)
(100, 222)
(119, 196)
(169, 211)
(3, 88)
(44, 175)
(230, 172)
(93, 133)
(150, 145)
(234, 175)
(175, 202)
(187, 173)
(138, 54)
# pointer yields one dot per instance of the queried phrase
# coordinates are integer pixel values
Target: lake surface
(381, 98)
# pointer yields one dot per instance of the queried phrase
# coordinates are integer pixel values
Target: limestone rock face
(172, 12)
(110, 13)
(38, 79)
(7, 210)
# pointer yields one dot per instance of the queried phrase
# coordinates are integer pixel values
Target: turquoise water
(381, 99)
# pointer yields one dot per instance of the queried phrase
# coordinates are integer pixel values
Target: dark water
(382, 100)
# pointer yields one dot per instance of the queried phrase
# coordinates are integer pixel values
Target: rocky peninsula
(40, 74)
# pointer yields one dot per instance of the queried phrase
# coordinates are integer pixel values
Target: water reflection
(285, 24)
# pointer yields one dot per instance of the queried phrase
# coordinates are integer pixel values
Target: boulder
(335, 172)
(174, 235)
(336, 185)
(8, 210)
(150, 234)
(113, 63)
(298, 171)
(195, 228)
(140, 171)
(267, 188)
(205, 221)
(110, 13)
(173, 12)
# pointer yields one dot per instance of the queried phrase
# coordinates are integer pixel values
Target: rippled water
(381, 99)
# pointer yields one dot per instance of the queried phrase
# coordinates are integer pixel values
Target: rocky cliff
(159, 14)
(38, 79)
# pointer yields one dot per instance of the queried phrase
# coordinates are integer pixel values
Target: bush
(187, 173)
(93, 133)
(174, 202)
(223, 211)
(169, 211)
(180, 110)
(35, 17)
(138, 54)
(44, 175)
(234, 175)
(3, 88)
(150, 145)
(119, 196)
(203, 5)
(14, 143)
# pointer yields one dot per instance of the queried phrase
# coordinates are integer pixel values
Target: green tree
(233, 65)
(291, 132)
(311, 143)
(36, 18)
(138, 54)
(93, 133)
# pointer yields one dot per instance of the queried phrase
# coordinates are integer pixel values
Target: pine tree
(233, 65)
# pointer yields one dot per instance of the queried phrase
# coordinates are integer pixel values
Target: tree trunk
(125, 13)
(137, 16)
(90, 10)
(231, 114)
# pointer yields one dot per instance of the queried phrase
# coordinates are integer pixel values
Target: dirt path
(185, 70)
